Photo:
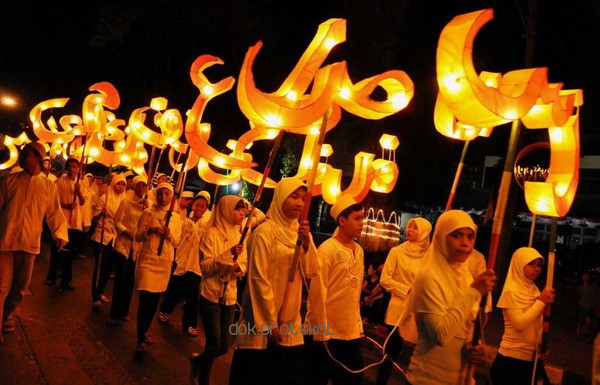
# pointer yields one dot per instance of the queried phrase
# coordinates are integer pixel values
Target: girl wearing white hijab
(270, 250)
(153, 270)
(444, 300)
(102, 241)
(218, 292)
(399, 271)
(522, 305)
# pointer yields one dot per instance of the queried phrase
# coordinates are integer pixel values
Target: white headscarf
(287, 228)
(417, 248)
(222, 219)
(519, 292)
(452, 277)
(113, 200)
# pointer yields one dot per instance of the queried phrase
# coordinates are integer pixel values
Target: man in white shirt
(73, 200)
(26, 198)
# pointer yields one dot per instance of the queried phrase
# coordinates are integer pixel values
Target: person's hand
(237, 250)
(275, 335)
(77, 187)
(485, 282)
(145, 203)
(547, 296)
(60, 243)
(477, 354)
(544, 356)
(304, 233)
(157, 230)
(103, 211)
(128, 233)
(72, 206)
(236, 267)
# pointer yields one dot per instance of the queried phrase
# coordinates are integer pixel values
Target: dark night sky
(145, 48)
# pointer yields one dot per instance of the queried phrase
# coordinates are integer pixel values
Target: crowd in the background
(170, 249)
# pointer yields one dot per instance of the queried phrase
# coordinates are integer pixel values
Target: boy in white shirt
(334, 300)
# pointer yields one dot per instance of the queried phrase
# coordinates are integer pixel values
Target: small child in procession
(522, 306)
(222, 260)
(334, 300)
(271, 304)
(153, 270)
(185, 280)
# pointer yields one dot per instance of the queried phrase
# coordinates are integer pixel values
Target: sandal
(104, 298)
(192, 332)
(163, 317)
(9, 326)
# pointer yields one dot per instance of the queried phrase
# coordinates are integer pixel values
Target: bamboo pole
(461, 164)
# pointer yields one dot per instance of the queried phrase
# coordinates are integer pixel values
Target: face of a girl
(412, 232)
(292, 205)
(199, 207)
(533, 269)
(238, 215)
(460, 244)
(163, 196)
(120, 187)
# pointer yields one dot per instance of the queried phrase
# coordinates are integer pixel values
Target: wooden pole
(461, 164)
(316, 155)
(532, 230)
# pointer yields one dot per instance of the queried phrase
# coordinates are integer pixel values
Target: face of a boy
(353, 225)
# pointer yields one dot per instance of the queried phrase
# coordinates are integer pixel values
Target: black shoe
(194, 368)
(66, 287)
(48, 282)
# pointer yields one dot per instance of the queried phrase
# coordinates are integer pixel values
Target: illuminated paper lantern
(555, 196)
(51, 133)
(12, 144)
(198, 133)
(169, 122)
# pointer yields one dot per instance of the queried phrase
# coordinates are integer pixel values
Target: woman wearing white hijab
(399, 271)
(104, 236)
(522, 305)
(270, 250)
(444, 299)
(218, 292)
(153, 270)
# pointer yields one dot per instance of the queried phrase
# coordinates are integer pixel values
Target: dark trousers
(282, 365)
(216, 319)
(512, 371)
(323, 368)
(102, 268)
(63, 260)
(123, 290)
(188, 286)
(147, 306)
(392, 349)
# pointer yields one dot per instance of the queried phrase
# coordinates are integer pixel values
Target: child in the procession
(444, 300)
(275, 355)
(73, 198)
(185, 203)
(185, 280)
(522, 306)
(153, 270)
(401, 267)
(334, 301)
(223, 260)
(126, 220)
(104, 236)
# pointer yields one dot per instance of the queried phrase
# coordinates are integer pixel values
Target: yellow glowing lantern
(51, 133)
(326, 150)
(198, 133)
(11, 144)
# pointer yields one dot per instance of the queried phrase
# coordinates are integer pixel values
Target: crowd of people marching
(435, 280)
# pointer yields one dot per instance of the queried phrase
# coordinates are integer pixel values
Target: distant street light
(8, 101)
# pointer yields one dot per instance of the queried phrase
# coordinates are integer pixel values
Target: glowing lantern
(12, 143)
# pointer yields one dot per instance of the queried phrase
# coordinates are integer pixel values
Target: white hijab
(113, 200)
(287, 228)
(519, 292)
(417, 248)
(222, 219)
(453, 278)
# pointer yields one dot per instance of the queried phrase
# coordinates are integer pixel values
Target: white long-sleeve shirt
(268, 264)
(216, 259)
(397, 277)
(334, 297)
(522, 330)
(127, 218)
(187, 254)
(81, 215)
(24, 202)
